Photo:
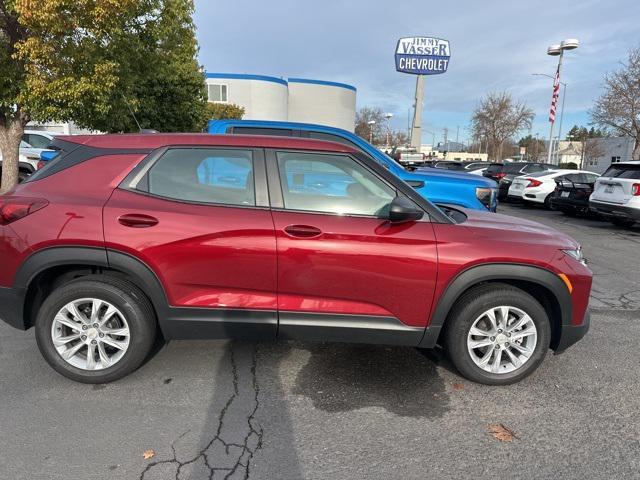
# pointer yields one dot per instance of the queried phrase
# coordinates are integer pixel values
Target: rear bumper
(570, 334)
(615, 211)
(562, 202)
(11, 302)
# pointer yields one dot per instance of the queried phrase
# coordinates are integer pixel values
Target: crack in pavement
(222, 458)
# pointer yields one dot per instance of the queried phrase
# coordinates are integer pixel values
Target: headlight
(576, 254)
(486, 196)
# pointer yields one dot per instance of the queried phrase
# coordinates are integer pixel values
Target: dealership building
(293, 99)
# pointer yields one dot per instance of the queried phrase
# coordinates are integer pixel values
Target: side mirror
(404, 210)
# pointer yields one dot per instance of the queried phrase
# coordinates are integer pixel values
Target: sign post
(421, 56)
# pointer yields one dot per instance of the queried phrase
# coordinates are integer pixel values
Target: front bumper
(11, 307)
(615, 211)
(570, 334)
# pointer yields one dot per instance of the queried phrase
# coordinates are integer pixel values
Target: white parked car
(29, 160)
(616, 194)
(539, 187)
(479, 171)
(39, 139)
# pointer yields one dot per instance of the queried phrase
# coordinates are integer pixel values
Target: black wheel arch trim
(174, 322)
(496, 272)
(141, 274)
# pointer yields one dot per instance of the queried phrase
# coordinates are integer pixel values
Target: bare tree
(398, 138)
(365, 129)
(618, 108)
(499, 118)
(591, 150)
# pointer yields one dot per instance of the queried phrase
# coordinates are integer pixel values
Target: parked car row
(614, 195)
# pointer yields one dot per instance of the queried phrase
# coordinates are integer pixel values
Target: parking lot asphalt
(217, 409)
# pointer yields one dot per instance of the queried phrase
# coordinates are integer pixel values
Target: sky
(495, 46)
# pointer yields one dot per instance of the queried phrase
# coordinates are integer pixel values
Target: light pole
(558, 51)
(371, 123)
(564, 96)
(388, 117)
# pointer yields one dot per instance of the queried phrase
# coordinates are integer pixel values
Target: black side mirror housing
(404, 210)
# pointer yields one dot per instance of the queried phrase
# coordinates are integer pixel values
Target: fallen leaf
(458, 386)
(148, 454)
(502, 433)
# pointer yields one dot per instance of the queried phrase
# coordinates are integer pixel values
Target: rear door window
(278, 132)
(329, 137)
(204, 175)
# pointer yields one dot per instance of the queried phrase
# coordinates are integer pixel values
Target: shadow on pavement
(340, 377)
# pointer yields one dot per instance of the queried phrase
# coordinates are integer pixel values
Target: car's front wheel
(96, 329)
(497, 334)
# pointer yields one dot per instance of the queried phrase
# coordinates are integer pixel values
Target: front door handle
(302, 231)
(137, 220)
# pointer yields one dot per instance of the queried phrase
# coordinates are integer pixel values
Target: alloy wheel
(90, 334)
(502, 339)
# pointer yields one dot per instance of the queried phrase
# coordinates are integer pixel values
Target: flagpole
(554, 120)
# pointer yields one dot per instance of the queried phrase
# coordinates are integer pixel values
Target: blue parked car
(439, 186)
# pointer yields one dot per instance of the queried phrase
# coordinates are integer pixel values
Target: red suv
(125, 237)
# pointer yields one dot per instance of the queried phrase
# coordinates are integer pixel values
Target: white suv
(616, 194)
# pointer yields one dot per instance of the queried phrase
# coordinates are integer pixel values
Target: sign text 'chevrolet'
(422, 55)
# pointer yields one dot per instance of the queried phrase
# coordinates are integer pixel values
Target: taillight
(635, 189)
(500, 175)
(40, 164)
(533, 182)
(15, 208)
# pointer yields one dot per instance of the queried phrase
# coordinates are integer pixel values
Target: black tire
(568, 211)
(477, 301)
(125, 296)
(622, 222)
(22, 176)
(548, 204)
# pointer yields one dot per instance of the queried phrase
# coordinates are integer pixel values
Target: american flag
(554, 97)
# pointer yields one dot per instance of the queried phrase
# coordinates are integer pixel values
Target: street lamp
(371, 123)
(388, 117)
(564, 96)
(558, 51)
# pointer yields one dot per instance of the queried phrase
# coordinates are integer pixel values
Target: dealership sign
(422, 55)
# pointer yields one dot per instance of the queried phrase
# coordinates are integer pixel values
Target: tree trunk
(10, 137)
(636, 149)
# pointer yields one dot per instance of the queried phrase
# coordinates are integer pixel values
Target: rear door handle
(302, 231)
(137, 220)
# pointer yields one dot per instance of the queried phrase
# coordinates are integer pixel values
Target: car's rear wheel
(96, 329)
(497, 334)
(548, 204)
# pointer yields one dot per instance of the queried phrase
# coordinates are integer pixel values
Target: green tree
(94, 62)
(222, 111)
(583, 133)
